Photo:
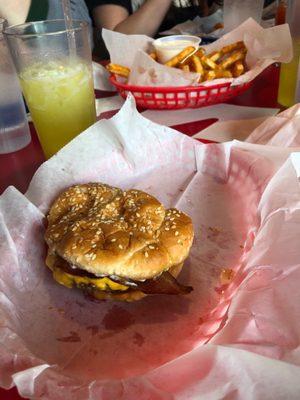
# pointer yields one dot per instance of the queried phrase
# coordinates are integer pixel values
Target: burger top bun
(105, 231)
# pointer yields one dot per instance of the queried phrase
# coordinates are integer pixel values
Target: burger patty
(165, 283)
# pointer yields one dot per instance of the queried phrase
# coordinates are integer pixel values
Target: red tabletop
(18, 168)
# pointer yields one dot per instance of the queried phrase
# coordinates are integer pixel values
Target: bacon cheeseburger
(116, 245)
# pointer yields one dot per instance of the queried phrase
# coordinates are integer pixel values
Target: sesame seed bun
(105, 231)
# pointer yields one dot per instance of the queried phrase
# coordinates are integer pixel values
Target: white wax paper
(244, 201)
(265, 46)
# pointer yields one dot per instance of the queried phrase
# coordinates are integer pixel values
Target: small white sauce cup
(169, 46)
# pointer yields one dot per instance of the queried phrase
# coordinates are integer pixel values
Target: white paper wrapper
(244, 201)
(265, 46)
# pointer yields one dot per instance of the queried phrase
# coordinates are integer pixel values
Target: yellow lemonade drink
(288, 78)
(60, 98)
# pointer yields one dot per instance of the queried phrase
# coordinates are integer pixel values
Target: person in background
(19, 11)
(145, 16)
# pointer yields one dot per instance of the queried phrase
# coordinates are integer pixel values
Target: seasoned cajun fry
(238, 69)
(174, 61)
(185, 67)
(118, 70)
(214, 56)
(210, 75)
(153, 55)
(207, 61)
(200, 52)
(232, 58)
(232, 47)
(223, 73)
(197, 65)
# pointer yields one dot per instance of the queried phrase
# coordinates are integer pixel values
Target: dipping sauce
(169, 46)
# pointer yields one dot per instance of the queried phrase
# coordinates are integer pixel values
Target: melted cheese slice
(70, 281)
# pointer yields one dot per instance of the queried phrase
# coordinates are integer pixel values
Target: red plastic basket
(172, 98)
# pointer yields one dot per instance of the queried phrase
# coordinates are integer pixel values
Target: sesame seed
(93, 257)
(113, 240)
(138, 215)
(167, 229)
(176, 233)
(151, 247)
(146, 254)
(120, 246)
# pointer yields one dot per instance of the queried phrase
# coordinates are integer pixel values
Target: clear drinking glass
(55, 70)
(14, 131)
(236, 11)
(289, 82)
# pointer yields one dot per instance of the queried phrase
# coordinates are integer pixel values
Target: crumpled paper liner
(265, 46)
(55, 344)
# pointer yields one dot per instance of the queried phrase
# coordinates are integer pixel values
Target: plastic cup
(236, 12)
(169, 46)
(57, 81)
(14, 131)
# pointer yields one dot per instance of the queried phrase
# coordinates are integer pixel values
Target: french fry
(153, 55)
(214, 56)
(197, 65)
(175, 61)
(118, 70)
(185, 67)
(224, 73)
(238, 69)
(200, 52)
(210, 75)
(232, 58)
(232, 47)
(207, 61)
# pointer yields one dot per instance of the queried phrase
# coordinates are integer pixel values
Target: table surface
(18, 168)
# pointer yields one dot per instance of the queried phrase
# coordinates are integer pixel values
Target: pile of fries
(229, 62)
